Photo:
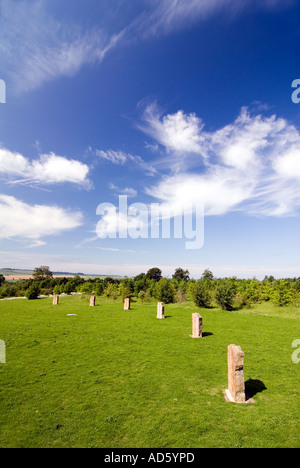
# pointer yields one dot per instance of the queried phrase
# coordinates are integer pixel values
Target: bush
(225, 293)
(164, 291)
(56, 291)
(125, 290)
(240, 301)
(8, 290)
(282, 294)
(202, 294)
(32, 292)
(111, 290)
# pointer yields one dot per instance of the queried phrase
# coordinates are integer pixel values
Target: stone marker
(127, 303)
(236, 384)
(55, 300)
(160, 310)
(2, 352)
(93, 301)
(197, 326)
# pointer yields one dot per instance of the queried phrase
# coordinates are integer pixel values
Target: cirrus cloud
(36, 48)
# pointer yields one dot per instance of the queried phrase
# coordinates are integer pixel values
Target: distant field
(109, 378)
(10, 272)
(15, 275)
(26, 277)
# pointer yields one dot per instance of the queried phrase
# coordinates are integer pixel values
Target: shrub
(32, 292)
(125, 291)
(241, 300)
(202, 294)
(56, 291)
(164, 291)
(111, 290)
(282, 294)
(225, 293)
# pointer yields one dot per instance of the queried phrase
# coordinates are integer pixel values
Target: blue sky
(165, 101)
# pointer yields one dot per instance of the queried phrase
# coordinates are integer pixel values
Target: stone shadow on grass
(254, 386)
(204, 334)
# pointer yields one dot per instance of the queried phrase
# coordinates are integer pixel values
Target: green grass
(115, 379)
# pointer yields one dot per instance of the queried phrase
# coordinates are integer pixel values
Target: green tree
(181, 275)
(56, 290)
(154, 273)
(225, 292)
(42, 272)
(87, 287)
(282, 294)
(69, 287)
(111, 290)
(207, 274)
(99, 288)
(202, 294)
(32, 292)
(164, 291)
(2, 280)
(125, 291)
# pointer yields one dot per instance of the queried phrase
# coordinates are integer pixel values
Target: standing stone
(160, 310)
(127, 303)
(236, 383)
(2, 352)
(93, 301)
(55, 300)
(197, 326)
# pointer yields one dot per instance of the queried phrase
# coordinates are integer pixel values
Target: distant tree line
(227, 293)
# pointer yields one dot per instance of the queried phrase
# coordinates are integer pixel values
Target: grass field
(115, 379)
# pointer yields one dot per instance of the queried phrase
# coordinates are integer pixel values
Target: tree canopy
(42, 272)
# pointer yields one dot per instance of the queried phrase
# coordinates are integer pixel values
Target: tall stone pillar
(55, 300)
(93, 301)
(127, 303)
(160, 310)
(236, 383)
(197, 326)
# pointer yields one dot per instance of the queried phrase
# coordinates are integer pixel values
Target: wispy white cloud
(48, 169)
(36, 48)
(21, 220)
(129, 191)
(250, 165)
(165, 17)
(120, 158)
(37, 243)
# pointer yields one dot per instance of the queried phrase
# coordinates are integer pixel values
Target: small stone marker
(160, 310)
(236, 383)
(197, 326)
(93, 301)
(55, 300)
(2, 352)
(127, 303)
